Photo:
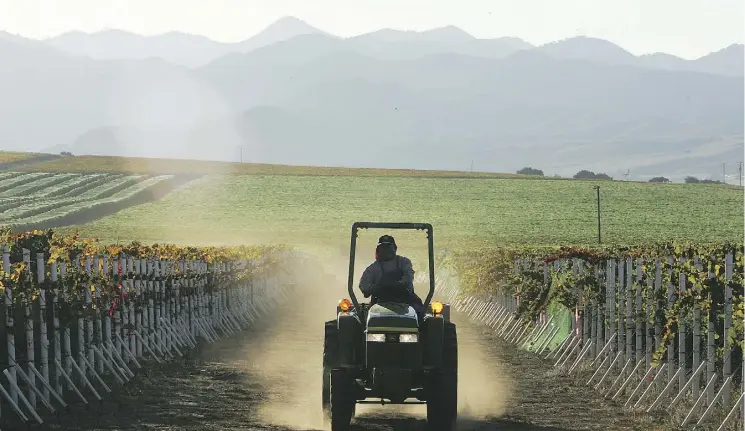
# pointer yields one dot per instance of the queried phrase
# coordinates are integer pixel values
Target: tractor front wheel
(343, 401)
(442, 401)
(330, 340)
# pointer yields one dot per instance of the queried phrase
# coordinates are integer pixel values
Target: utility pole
(597, 189)
(241, 148)
(739, 172)
(724, 176)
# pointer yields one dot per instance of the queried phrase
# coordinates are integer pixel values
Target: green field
(319, 210)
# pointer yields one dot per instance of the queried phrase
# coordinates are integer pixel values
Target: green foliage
(76, 287)
(589, 175)
(577, 276)
(530, 171)
(659, 180)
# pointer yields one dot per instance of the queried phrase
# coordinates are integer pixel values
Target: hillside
(170, 166)
(12, 157)
(309, 98)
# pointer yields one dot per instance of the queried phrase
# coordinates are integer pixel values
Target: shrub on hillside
(589, 175)
(693, 180)
(530, 171)
(659, 180)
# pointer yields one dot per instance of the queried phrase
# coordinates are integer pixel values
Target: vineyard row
(80, 319)
(658, 333)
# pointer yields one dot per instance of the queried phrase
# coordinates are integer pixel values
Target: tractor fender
(446, 312)
(349, 332)
(433, 345)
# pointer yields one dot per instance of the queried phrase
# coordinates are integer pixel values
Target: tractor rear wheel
(442, 402)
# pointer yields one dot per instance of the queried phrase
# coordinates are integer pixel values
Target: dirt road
(270, 380)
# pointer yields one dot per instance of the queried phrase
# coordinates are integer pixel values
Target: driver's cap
(386, 239)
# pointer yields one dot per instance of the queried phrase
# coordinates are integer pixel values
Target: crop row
(37, 185)
(46, 188)
(81, 317)
(33, 199)
(73, 183)
(73, 187)
(21, 179)
(661, 326)
(71, 208)
(57, 207)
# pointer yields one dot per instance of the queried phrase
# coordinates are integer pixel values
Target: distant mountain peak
(659, 55)
(734, 49)
(67, 34)
(583, 40)
(449, 31)
(283, 29)
(388, 32)
(9, 36)
(728, 61)
(76, 36)
(290, 20)
(290, 25)
(118, 31)
(734, 46)
(585, 47)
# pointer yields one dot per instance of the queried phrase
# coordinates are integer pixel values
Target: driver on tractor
(391, 277)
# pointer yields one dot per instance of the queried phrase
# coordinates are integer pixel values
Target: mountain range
(436, 99)
(196, 51)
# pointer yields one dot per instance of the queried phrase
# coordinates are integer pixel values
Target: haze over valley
(437, 99)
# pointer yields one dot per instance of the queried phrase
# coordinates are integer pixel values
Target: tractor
(386, 353)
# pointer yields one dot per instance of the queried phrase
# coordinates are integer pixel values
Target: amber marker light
(345, 304)
(437, 307)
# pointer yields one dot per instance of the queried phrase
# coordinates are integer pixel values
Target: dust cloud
(484, 385)
(288, 360)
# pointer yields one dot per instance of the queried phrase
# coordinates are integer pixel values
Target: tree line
(584, 174)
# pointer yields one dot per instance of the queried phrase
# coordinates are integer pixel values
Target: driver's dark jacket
(373, 274)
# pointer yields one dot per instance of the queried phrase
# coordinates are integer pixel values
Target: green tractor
(387, 353)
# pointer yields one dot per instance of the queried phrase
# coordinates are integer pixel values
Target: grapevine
(702, 266)
(76, 255)
(577, 275)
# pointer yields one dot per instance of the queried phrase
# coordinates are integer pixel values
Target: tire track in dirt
(270, 380)
(542, 399)
(500, 388)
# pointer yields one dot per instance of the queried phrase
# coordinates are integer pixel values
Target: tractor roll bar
(382, 225)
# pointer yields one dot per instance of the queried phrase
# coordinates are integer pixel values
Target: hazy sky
(687, 28)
